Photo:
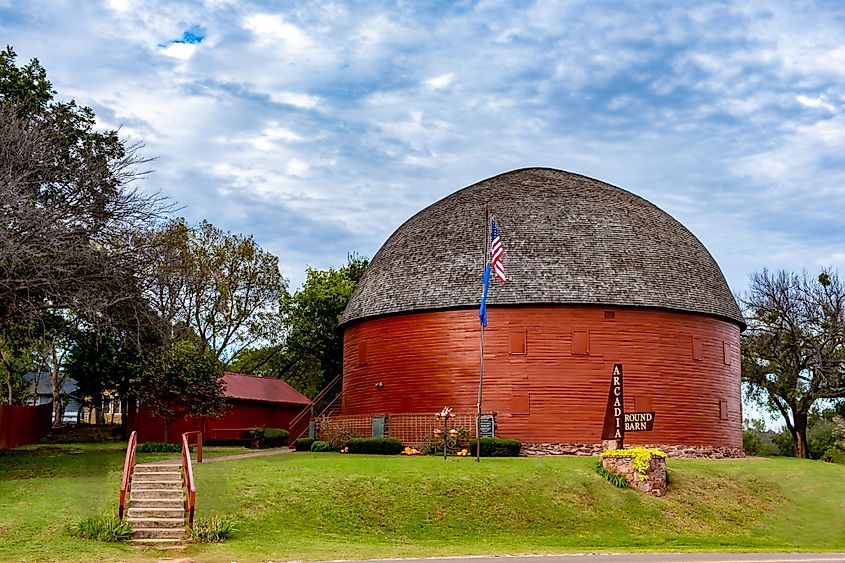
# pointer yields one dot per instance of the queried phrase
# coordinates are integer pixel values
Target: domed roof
(568, 239)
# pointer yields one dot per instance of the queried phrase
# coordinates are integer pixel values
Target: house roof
(266, 389)
(568, 239)
(41, 382)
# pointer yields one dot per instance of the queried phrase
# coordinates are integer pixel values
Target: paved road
(642, 558)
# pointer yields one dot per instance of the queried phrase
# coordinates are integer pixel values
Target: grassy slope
(328, 505)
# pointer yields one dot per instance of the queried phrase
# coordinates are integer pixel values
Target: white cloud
(440, 82)
(274, 27)
(180, 51)
(815, 103)
(295, 99)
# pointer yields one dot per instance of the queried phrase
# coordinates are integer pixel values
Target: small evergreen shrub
(616, 478)
(382, 446)
(321, 446)
(496, 447)
(303, 444)
(269, 437)
(213, 530)
(103, 527)
(159, 448)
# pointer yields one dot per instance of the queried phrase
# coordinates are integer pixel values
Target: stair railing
(198, 435)
(188, 480)
(309, 410)
(128, 469)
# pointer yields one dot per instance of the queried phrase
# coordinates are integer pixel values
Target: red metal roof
(266, 389)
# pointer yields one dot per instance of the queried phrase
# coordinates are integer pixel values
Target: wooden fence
(24, 425)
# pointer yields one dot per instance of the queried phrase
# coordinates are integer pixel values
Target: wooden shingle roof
(568, 239)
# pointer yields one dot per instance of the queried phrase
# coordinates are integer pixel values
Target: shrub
(337, 433)
(103, 527)
(159, 448)
(496, 447)
(616, 478)
(269, 437)
(752, 444)
(303, 444)
(383, 446)
(321, 446)
(213, 530)
(835, 453)
(640, 457)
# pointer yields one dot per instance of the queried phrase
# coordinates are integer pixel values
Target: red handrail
(128, 469)
(190, 487)
(198, 435)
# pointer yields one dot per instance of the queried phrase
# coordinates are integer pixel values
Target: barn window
(723, 409)
(727, 349)
(362, 353)
(697, 348)
(520, 403)
(609, 315)
(581, 342)
(517, 342)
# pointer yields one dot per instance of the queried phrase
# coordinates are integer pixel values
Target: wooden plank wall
(547, 370)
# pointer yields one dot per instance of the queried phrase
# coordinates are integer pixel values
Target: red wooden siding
(430, 360)
(239, 414)
(20, 425)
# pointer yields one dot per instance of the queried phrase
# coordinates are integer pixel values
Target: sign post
(616, 420)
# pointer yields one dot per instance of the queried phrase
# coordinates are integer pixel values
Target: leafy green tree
(313, 351)
(219, 286)
(16, 359)
(793, 353)
(183, 379)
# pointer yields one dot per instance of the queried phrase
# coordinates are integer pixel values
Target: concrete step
(156, 512)
(146, 523)
(139, 485)
(155, 493)
(158, 533)
(159, 543)
(156, 476)
(158, 467)
(156, 503)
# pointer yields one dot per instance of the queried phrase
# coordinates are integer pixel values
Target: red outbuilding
(596, 276)
(252, 402)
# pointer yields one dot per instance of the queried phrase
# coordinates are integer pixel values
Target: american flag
(496, 251)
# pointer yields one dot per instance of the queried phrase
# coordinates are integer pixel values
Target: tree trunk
(55, 385)
(799, 434)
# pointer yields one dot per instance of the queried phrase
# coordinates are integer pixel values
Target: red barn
(251, 402)
(596, 276)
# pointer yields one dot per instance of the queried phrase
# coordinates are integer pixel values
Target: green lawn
(308, 506)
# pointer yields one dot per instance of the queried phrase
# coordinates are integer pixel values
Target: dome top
(568, 239)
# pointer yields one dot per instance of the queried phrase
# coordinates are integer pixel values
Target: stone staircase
(156, 506)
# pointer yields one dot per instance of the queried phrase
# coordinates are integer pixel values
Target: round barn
(595, 276)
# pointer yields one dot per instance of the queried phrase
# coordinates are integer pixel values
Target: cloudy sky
(319, 127)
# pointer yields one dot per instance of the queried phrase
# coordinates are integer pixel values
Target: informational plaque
(639, 421)
(487, 426)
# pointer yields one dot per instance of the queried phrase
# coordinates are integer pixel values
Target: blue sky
(319, 127)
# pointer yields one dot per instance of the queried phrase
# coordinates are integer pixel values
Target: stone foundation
(680, 451)
(654, 482)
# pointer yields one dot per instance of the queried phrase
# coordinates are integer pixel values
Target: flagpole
(481, 358)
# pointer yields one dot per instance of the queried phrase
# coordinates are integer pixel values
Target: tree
(71, 220)
(16, 359)
(312, 354)
(182, 380)
(219, 286)
(793, 353)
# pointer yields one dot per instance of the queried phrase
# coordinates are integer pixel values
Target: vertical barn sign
(614, 416)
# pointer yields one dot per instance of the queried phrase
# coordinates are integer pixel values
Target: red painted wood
(239, 414)
(20, 425)
(428, 360)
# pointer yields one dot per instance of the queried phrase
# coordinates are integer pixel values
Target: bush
(159, 448)
(303, 444)
(269, 437)
(836, 454)
(496, 447)
(752, 444)
(213, 530)
(382, 446)
(104, 527)
(321, 446)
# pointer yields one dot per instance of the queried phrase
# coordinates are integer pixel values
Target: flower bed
(643, 468)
